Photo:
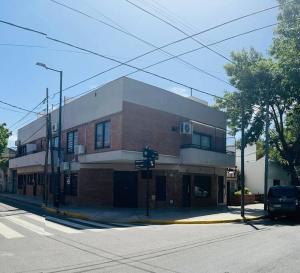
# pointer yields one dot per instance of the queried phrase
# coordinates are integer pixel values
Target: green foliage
(273, 80)
(4, 135)
(238, 193)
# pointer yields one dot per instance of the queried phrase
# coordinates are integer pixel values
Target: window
(160, 188)
(102, 136)
(72, 141)
(201, 141)
(22, 150)
(202, 186)
(71, 184)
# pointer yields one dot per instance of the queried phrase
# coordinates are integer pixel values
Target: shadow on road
(280, 221)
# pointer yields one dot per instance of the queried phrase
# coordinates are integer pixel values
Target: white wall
(108, 99)
(255, 171)
(163, 100)
(103, 101)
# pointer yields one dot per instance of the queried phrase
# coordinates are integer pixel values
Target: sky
(22, 83)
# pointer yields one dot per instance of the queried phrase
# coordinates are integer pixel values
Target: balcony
(192, 155)
(34, 159)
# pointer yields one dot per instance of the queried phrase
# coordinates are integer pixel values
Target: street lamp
(57, 184)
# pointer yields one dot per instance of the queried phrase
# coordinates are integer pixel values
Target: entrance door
(125, 189)
(186, 190)
(220, 189)
(24, 184)
(34, 184)
(228, 193)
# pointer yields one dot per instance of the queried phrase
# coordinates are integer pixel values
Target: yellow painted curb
(66, 213)
(159, 222)
(186, 222)
(75, 215)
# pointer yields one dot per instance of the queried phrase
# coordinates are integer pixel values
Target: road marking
(9, 233)
(52, 225)
(101, 225)
(34, 228)
(67, 223)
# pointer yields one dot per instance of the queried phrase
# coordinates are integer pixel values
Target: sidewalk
(211, 215)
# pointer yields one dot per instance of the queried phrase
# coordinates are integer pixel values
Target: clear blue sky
(23, 83)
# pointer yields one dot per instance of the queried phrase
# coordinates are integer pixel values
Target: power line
(31, 111)
(11, 110)
(180, 30)
(214, 43)
(180, 40)
(17, 107)
(122, 30)
(175, 17)
(41, 47)
(131, 66)
(24, 141)
(128, 65)
(166, 45)
(24, 28)
(217, 26)
(165, 60)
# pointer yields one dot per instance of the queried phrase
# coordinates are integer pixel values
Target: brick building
(105, 131)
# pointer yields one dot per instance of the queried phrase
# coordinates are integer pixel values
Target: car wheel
(271, 215)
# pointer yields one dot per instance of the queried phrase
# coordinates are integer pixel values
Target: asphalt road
(32, 242)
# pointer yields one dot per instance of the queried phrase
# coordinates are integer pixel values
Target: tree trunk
(294, 176)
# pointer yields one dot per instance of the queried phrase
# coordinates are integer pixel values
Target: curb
(156, 221)
(66, 213)
(144, 221)
(199, 222)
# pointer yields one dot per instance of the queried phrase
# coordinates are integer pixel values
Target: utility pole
(57, 184)
(243, 161)
(52, 178)
(267, 136)
(147, 190)
(57, 181)
(148, 163)
(45, 188)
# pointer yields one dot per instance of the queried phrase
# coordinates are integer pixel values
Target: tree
(273, 80)
(4, 135)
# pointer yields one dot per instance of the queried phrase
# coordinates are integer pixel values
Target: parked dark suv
(284, 200)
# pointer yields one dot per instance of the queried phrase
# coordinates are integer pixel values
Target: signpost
(147, 163)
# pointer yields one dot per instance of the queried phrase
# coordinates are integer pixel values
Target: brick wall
(160, 130)
(95, 187)
(86, 135)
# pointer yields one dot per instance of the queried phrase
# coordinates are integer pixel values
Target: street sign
(144, 164)
(140, 164)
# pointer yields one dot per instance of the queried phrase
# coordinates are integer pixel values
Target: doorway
(186, 190)
(221, 188)
(228, 194)
(125, 189)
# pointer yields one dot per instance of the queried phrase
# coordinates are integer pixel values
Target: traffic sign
(140, 164)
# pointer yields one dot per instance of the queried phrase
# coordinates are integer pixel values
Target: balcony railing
(193, 155)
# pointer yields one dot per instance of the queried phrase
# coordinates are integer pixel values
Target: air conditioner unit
(18, 142)
(186, 128)
(79, 149)
(54, 127)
